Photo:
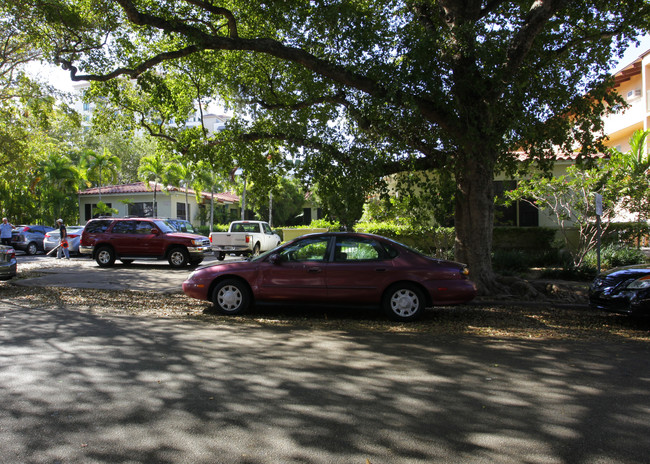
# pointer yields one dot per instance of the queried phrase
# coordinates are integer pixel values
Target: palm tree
(186, 174)
(154, 168)
(104, 167)
(59, 179)
(207, 179)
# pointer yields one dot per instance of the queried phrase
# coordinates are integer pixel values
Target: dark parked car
(29, 238)
(624, 290)
(128, 239)
(336, 267)
(7, 262)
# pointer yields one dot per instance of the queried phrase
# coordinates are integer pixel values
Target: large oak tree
(373, 86)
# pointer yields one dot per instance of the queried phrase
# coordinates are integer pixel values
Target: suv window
(124, 227)
(143, 227)
(98, 226)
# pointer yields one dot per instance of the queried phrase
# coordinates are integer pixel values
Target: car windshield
(165, 227)
(183, 226)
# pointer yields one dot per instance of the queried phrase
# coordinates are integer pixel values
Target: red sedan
(335, 267)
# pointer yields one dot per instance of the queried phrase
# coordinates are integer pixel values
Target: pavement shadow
(85, 388)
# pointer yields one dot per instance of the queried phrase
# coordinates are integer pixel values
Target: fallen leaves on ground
(483, 319)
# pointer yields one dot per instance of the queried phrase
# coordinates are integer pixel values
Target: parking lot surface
(83, 272)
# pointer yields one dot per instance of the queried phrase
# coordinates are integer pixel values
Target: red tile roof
(140, 187)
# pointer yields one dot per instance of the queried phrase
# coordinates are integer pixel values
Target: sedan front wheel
(231, 297)
(404, 302)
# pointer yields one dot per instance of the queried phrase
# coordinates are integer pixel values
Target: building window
(89, 211)
(180, 211)
(141, 209)
(306, 216)
(520, 213)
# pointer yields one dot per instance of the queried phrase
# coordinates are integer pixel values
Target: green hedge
(625, 232)
(523, 238)
(435, 241)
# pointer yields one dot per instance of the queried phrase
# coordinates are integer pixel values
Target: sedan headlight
(197, 242)
(643, 282)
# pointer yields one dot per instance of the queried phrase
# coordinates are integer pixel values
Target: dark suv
(128, 239)
(29, 238)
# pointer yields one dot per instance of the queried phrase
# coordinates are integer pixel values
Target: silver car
(7, 262)
(51, 239)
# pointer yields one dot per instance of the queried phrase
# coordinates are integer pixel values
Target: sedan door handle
(380, 269)
(314, 270)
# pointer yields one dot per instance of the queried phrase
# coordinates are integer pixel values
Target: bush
(434, 241)
(523, 238)
(513, 261)
(205, 230)
(625, 232)
(612, 256)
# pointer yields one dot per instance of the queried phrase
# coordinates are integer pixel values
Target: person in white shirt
(5, 232)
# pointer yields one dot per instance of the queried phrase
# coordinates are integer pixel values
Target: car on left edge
(8, 266)
(341, 268)
(29, 238)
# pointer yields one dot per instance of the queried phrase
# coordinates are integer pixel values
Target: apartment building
(633, 83)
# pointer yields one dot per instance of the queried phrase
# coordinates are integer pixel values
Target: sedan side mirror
(275, 258)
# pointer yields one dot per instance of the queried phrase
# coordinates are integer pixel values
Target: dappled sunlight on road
(83, 387)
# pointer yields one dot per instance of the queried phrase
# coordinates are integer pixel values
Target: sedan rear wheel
(231, 297)
(404, 302)
(32, 248)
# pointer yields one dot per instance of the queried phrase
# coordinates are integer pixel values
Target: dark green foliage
(540, 238)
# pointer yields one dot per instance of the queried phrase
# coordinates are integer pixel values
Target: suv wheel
(105, 256)
(32, 249)
(178, 257)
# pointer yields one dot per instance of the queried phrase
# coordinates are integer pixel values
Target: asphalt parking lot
(82, 384)
(83, 272)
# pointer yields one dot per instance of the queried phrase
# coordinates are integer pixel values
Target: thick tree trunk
(474, 220)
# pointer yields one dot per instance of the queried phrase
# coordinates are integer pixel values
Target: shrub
(434, 241)
(612, 256)
(513, 261)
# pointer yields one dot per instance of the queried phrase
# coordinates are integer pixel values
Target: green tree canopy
(406, 85)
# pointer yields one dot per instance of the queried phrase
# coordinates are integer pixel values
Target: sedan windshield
(164, 226)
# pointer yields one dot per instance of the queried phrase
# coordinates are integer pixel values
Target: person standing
(5, 232)
(63, 240)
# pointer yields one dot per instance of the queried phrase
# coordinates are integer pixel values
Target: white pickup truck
(244, 238)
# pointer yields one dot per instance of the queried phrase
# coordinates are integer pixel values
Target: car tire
(178, 257)
(256, 250)
(221, 256)
(32, 248)
(231, 296)
(105, 256)
(404, 302)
